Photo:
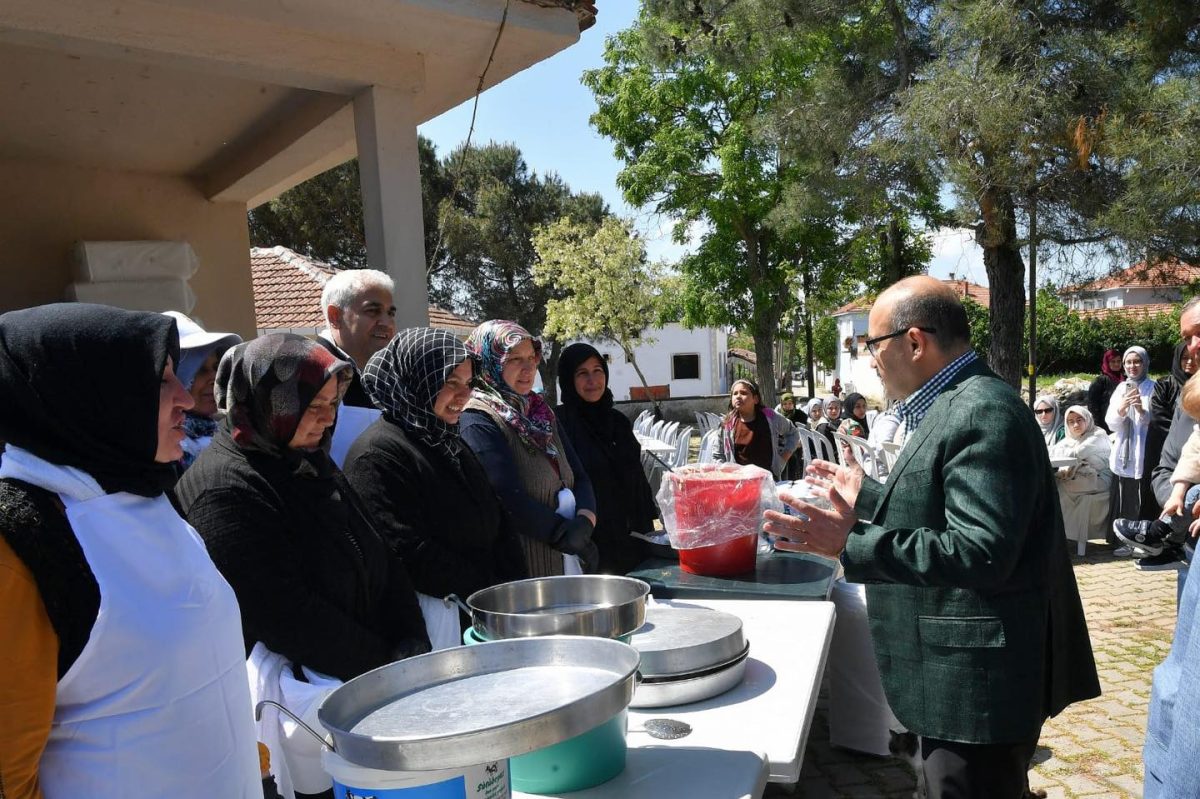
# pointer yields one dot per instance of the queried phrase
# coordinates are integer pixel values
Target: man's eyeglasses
(871, 342)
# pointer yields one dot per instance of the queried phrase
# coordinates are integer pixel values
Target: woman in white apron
(124, 671)
(322, 599)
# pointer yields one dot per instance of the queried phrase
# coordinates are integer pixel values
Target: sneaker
(1143, 534)
(1123, 552)
(1169, 558)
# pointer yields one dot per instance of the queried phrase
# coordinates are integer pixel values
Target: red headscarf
(1115, 376)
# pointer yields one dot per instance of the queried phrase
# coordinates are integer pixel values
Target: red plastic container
(708, 497)
(735, 556)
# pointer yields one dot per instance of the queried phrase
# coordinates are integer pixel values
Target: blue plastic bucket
(350, 781)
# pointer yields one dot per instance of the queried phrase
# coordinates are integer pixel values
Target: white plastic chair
(861, 451)
(670, 433)
(683, 444)
(708, 445)
(656, 429)
(814, 446)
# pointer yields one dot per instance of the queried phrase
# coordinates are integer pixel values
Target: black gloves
(574, 537)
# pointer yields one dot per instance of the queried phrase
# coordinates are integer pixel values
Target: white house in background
(853, 363)
(688, 363)
(1149, 288)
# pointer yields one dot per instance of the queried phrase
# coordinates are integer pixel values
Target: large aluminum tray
(676, 641)
(474, 704)
(586, 604)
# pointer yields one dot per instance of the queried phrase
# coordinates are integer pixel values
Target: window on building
(685, 367)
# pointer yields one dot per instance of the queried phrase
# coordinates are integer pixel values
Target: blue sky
(545, 109)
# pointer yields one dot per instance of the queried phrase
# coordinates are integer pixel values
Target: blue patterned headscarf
(528, 414)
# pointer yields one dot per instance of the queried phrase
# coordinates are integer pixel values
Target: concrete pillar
(390, 173)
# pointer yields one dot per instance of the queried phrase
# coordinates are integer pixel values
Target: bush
(1066, 342)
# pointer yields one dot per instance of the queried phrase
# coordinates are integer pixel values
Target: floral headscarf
(404, 378)
(528, 414)
(266, 385)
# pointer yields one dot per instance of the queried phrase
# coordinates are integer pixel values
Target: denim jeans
(1173, 730)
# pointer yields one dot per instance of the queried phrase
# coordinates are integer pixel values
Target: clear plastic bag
(705, 504)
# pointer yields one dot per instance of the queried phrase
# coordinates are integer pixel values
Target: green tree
(825, 343)
(686, 129)
(1081, 115)
(606, 289)
(487, 230)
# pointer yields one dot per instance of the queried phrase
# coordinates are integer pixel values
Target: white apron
(157, 703)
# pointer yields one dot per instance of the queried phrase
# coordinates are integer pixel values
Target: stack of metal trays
(688, 654)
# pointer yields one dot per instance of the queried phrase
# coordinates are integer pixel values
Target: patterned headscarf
(527, 414)
(266, 385)
(404, 378)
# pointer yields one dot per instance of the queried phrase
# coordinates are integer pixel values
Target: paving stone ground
(1093, 749)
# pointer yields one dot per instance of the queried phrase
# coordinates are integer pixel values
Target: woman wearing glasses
(1129, 418)
(1049, 418)
(514, 433)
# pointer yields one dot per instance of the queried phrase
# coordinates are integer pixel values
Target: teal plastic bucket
(470, 636)
(585, 761)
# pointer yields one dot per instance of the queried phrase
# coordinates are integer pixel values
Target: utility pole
(1033, 242)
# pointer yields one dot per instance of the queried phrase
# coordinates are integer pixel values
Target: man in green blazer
(974, 613)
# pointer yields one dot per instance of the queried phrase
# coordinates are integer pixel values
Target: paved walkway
(1093, 749)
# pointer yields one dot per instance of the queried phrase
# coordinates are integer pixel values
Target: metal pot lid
(474, 704)
(677, 641)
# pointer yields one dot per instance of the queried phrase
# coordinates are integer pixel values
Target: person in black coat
(603, 439)
(424, 489)
(1101, 390)
(315, 581)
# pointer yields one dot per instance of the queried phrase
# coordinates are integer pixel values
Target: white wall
(1121, 297)
(856, 373)
(655, 361)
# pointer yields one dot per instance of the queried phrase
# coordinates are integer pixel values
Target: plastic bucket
(585, 761)
(350, 781)
(735, 556)
(471, 637)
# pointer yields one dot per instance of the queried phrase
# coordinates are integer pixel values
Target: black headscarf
(1177, 372)
(596, 415)
(79, 386)
(264, 386)
(848, 411)
(403, 378)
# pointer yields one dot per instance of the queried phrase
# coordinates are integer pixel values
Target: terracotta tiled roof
(287, 293)
(963, 288)
(1164, 274)
(1143, 311)
(746, 355)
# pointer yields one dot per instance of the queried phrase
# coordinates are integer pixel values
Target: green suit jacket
(974, 613)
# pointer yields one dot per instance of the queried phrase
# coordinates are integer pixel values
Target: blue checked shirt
(913, 408)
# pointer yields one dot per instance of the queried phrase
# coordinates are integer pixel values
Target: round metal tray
(693, 688)
(474, 704)
(678, 641)
(599, 605)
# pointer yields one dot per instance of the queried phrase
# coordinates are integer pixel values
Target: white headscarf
(1088, 426)
(815, 402)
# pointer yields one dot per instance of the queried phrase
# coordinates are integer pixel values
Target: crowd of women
(1110, 445)
(177, 545)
